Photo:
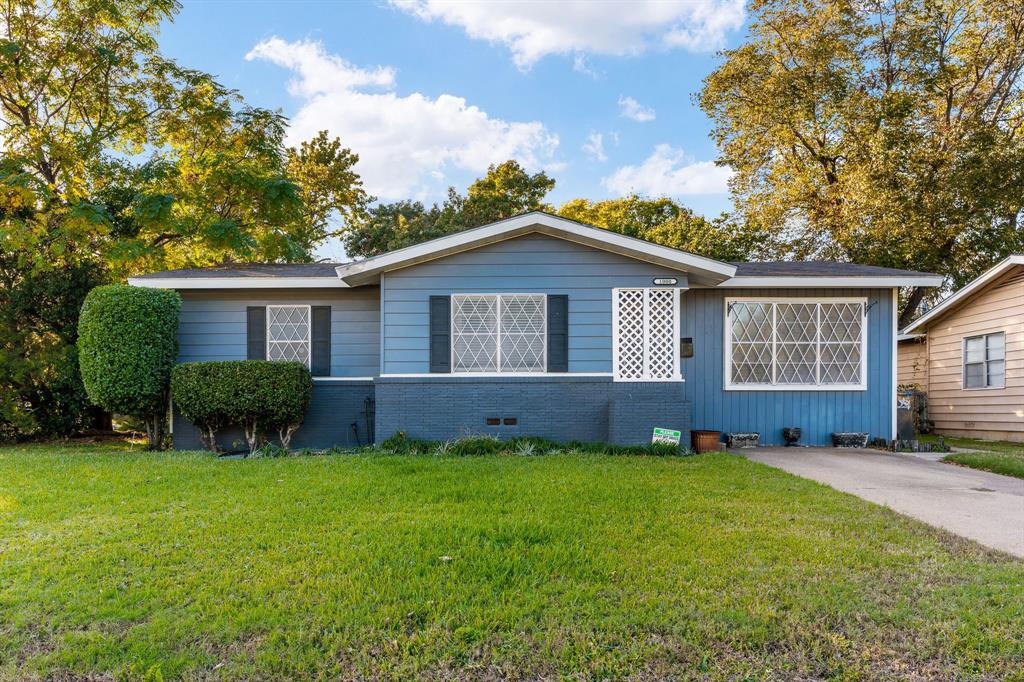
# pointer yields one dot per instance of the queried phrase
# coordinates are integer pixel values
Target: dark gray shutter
(256, 332)
(558, 333)
(320, 351)
(441, 334)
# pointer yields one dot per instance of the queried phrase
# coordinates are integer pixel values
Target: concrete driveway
(985, 507)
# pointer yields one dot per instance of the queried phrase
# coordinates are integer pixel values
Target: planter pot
(705, 441)
(849, 440)
(743, 440)
(791, 435)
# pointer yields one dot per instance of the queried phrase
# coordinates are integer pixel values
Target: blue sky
(428, 92)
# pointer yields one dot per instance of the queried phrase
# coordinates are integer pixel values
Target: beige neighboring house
(967, 354)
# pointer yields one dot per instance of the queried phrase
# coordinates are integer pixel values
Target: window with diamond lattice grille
(499, 333)
(288, 332)
(795, 343)
(646, 334)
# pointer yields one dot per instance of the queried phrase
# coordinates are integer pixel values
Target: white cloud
(594, 147)
(632, 109)
(533, 30)
(669, 172)
(581, 65)
(405, 143)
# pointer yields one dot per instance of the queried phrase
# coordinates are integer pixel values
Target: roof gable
(964, 296)
(701, 270)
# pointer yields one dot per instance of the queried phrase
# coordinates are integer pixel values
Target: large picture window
(984, 361)
(795, 343)
(499, 333)
(288, 333)
(646, 334)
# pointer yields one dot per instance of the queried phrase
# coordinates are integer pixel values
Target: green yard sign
(666, 436)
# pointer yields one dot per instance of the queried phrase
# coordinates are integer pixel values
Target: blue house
(537, 325)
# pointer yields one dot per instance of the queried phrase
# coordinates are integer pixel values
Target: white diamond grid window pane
(288, 333)
(841, 334)
(474, 333)
(796, 333)
(751, 329)
(523, 333)
(629, 319)
(661, 334)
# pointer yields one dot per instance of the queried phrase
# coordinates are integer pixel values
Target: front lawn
(996, 456)
(135, 565)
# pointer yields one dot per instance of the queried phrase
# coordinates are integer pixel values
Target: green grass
(997, 456)
(136, 565)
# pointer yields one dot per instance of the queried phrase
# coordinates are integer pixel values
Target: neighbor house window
(984, 361)
(288, 331)
(646, 334)
(499, 333)
(795, 343)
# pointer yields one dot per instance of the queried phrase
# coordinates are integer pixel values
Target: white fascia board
(237, 282)
(541, 223)
(794, 282)
(950, 301)
(909, 337)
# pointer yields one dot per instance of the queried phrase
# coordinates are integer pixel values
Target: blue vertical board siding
(529, 264)
(212, 325)
(818, 413)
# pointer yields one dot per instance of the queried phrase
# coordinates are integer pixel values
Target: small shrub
(127, 345)
(257, 395)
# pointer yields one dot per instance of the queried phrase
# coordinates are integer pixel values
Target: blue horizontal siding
(528, 264)
(213, 325)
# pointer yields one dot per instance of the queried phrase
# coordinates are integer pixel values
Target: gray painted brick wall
(333, 408)
(560, 408)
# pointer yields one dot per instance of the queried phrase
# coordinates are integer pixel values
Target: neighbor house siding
(213, 325)
(528, 264)
(912, 369)
(818, 413)
(996, 413)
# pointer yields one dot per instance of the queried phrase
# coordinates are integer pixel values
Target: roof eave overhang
(960, 297)
(179, 283)
(700, 270)
(795, 282)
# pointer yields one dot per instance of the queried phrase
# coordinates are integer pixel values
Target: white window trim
(727, 356)
(499, 373)
(678, 376)
(963, 362)
(309, 330)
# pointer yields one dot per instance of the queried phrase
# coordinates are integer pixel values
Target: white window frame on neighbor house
(984, 362)
(861, 385)
(498, 298)
(618, 340)
(309, 330)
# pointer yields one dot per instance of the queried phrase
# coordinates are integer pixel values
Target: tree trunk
(910, 309)
(155, 432)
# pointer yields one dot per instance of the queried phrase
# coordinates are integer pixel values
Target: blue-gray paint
(529, 264)
(588, 409)
(212, 325)
(337, 416)
(818, 413)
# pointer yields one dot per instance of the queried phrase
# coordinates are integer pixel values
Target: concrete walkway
(985, 507)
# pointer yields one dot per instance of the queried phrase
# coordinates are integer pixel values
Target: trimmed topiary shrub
(256, 395)
(127, 345)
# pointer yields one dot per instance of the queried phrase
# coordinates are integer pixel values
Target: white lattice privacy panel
(288, 333)
(646, 334)
(499, 333)
(796, 343)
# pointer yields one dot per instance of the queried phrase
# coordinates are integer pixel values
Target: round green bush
(127, 345)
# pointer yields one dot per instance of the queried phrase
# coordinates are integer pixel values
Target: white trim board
(869, 282)
(701, 269)
(950, 301)
(238, 282)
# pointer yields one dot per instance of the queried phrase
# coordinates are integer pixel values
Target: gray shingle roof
(251, 270)
(818, 268)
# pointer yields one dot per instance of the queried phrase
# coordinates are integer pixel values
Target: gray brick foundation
(592, 409)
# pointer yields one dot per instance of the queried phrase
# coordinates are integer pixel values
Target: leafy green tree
(886, 131)
(505, 191)
(665, 222)
(128, 343)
